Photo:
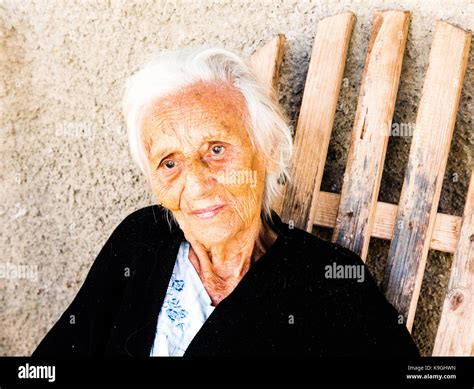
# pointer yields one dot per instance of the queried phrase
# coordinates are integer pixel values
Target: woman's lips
(209, 212)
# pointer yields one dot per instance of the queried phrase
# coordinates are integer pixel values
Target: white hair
(171, 71)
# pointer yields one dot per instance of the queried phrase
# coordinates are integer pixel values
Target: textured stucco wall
(66, 176)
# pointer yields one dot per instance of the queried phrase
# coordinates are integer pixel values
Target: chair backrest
(414, 225)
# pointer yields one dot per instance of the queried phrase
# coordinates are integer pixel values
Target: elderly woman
(212, 269)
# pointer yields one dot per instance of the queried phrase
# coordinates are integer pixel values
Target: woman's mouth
(207, 213)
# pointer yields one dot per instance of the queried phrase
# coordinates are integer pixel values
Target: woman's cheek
(167, 192)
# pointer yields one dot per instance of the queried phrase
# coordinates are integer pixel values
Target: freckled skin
(191, 138)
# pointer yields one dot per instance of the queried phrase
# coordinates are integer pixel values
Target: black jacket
(284, 305)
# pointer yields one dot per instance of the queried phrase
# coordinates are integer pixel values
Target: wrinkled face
(203, 167)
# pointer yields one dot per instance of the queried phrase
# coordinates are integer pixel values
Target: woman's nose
(199, 181)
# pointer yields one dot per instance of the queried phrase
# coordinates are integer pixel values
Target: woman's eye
(169, 164)
(218, 150)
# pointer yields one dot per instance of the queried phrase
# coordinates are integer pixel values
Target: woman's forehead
(209, 108)
(204, 96)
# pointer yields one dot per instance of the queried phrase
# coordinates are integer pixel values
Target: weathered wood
(445, 234)
(426, 166)
(266, 63)
(456, 328)
(318, 107)
(415, 226)
(371, 131)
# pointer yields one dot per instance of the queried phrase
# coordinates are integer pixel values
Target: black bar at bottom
(156, 372)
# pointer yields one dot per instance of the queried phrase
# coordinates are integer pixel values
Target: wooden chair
(414, 225)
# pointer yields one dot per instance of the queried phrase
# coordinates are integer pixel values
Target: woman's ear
(272, 161)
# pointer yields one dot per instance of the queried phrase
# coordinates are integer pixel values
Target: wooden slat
(456, 328)
(371, 130)
(445, 234)
(426, 166)
(318, 107)
(266, 63)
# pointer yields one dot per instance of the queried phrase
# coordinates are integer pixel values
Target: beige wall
(66, 176)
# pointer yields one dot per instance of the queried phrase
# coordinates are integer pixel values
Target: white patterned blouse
(186, 307)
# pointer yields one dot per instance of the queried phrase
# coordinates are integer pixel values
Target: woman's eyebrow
(232, 139)
(159, 152)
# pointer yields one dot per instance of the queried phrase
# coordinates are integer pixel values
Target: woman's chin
(213, 230)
